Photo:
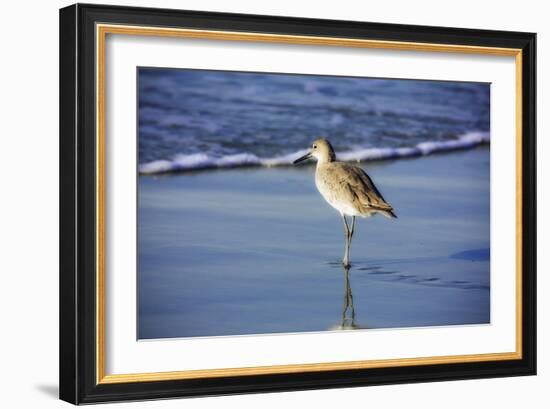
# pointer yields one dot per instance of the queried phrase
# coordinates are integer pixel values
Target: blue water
(258, 251)
(191, 119)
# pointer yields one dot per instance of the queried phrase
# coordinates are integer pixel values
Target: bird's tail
(390, 214)
(384, 209)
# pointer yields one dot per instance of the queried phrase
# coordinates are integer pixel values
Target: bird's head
(321, 149)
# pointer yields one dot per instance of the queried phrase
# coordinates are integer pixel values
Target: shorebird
(347, 188)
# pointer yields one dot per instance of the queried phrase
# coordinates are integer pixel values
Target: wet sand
(257, 251)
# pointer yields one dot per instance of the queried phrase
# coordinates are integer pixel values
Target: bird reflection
(348, 310)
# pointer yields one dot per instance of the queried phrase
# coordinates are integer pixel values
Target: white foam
(203, 161)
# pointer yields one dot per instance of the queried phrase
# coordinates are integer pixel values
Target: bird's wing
(361, 189)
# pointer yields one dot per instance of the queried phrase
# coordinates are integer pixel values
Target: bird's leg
(348, 239)
(348, 245)
(348, 242)
(346, 236)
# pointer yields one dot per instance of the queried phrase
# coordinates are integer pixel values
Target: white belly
(336, 200)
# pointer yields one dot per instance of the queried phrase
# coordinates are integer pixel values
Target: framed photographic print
(258, 203)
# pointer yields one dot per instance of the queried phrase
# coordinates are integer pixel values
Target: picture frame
(83, 284)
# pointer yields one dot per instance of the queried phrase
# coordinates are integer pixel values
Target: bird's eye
(314, 146)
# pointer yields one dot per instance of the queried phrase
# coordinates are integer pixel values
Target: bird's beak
(303, 158)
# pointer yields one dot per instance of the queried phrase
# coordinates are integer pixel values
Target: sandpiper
(347, 188)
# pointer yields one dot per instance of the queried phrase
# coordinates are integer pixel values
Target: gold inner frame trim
(101, 32)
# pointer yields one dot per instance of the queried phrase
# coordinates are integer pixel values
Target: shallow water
(252, 251)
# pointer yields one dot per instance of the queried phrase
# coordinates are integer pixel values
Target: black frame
(77, 204)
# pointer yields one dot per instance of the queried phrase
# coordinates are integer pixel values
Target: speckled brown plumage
(348, 188)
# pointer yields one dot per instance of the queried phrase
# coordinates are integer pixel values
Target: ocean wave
(201, 161)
